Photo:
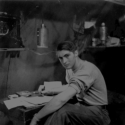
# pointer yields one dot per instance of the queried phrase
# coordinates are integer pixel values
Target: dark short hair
(67, 45)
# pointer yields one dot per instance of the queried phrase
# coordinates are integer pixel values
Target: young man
(86, 83)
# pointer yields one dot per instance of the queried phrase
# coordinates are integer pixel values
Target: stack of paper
(52, 84)
(27, 101)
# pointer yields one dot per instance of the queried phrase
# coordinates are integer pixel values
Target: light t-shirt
(89, 84)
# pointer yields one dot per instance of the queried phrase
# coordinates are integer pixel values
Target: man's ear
(76, 53)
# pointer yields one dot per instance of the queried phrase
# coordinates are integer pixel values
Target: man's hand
(34, 120)
(49, 92)
(41, 88)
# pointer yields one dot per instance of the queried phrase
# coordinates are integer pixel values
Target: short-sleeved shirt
(89, 84)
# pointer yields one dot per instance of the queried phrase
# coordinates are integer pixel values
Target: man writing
(86, 83)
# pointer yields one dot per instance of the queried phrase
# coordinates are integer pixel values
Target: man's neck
(77, 65)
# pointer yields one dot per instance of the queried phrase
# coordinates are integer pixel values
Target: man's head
(67, 54)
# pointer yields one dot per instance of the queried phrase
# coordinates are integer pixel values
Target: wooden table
(20, 115)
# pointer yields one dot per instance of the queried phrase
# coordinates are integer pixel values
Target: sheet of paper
(52, 84)
(89, 24)
(38, 100)
(12, 103)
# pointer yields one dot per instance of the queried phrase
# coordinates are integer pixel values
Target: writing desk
(20, 115)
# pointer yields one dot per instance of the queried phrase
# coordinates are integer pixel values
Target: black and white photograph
(62, 62)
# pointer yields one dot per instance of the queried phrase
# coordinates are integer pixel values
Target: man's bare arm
(57, 102)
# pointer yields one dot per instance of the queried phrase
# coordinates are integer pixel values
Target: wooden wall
(34, 65)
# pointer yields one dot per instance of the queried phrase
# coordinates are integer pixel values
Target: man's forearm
(57, 102)
(50, 107)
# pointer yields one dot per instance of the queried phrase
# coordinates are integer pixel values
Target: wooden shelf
(12, 49)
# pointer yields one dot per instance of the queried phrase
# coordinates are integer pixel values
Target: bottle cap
(43, 25)
(103, 24)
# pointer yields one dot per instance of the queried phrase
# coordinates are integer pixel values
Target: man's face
(67, 58)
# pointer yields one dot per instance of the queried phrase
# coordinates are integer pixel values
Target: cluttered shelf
(105, 46)
(109, 42)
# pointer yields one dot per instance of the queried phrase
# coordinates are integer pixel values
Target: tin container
(42, 36)
(103, 33)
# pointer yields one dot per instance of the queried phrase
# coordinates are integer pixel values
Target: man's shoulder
(90, 64)
(90, 67)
